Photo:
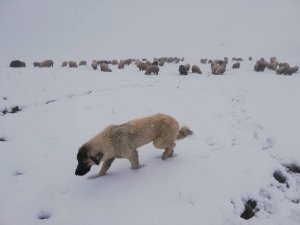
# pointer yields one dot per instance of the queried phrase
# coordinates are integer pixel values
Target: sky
(72, 30)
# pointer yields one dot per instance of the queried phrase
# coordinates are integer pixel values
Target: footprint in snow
(43, 215)
(269, 143)
(235, 142)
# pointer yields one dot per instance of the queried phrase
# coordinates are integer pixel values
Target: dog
(122, 141)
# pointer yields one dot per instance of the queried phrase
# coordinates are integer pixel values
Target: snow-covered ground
(246, 124)
(246, 127)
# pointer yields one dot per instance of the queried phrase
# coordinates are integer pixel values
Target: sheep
(155, 63)
(161, 62)
(203, 61)
(72, 64)
(187, 67)
(94, 64)
(152, 69)
(128, 61)
(292, 70)
(114, 62)
(82, 63)
(218, 69)
(214, 67)
(260, 65)
(121, 64)
(236, 65)
(273, 59)
(144, 59)
(47, 63)
(142, 66)
(170, 60)
(104, 67)
(284, 68)
(196, 69)
(17, 63)
(177, 60)
(182, 70)
(221, 70)
(218, 61)
(64, 63)
(226, 60)
(36, 64)
(237, 59)
(272, 66)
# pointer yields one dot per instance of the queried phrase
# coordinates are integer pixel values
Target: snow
(245, 124)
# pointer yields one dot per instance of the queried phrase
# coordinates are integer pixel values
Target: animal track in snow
(212, 144)
(269, 143)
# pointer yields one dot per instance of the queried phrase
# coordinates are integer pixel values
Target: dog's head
(86, 159)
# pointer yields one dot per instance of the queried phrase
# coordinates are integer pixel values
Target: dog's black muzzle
(82, 169)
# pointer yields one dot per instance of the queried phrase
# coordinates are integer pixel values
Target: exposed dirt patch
(250, 209)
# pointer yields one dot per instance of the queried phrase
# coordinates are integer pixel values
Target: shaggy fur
(293, 70)
(196, 69)
(64, 63)
(219, 61)
(142, 66)
(82, 63)
(94, 64)
(121, 64)
(284, 68)
(218, 69)
(187, 67)
(226, 60)
(104, 67)
(152, 69)
(36, 64)
(237, 59)
(273, 65)
(182, 70)
(236, 65)
(122, 141)
(17, 63)
(47, 63)
(114, 62)
(127, 61)
(260, 65)
(161, 62)
(203, 61)
(176, 60)
(273, 59)
(155, 63)
(72, 64)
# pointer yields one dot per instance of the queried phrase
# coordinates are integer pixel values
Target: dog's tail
(184, 132)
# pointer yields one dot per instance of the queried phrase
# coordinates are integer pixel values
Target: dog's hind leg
(134, 160)
(168, 152)
(106, 165)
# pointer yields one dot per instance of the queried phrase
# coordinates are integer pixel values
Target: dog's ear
(97, 158)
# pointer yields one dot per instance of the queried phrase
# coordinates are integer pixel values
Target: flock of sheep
(218, 67)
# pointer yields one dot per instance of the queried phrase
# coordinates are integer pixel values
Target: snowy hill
(245, 146)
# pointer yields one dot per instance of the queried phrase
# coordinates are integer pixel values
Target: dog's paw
(138, 167)
(94, 176)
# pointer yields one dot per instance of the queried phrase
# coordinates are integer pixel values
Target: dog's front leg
(106, 165)
(134, 160)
